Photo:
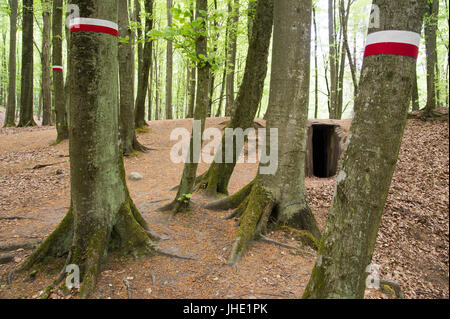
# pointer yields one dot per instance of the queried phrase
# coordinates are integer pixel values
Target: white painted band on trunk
(396, 36)
(96, 22)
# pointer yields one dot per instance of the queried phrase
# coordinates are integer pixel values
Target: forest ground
(412, 245)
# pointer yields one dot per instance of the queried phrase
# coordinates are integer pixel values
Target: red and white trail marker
(393, 42)
(94, 25)
(58, 68)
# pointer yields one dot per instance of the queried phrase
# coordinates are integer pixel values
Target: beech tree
(26, 87)
(102, 215)
(431, 21)
(145, 69)
(128, 137)
(58, 74)
(216, 179)
(11, 107)
(233, 19)
(185, 189)
(46, 92)
(281, 196)
(169, 66)
(368, 163)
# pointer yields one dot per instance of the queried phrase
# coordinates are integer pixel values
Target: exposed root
(259, 207)
(387, 285)
(232, 201)
(274, 242)
(16, 218)
(6, 258)
(167, 253)
(198, 179)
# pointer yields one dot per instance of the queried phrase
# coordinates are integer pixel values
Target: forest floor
(412, 245)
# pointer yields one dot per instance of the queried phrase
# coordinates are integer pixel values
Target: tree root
(257, 208)
(5, 259)
(16, 218)
(232, 201)
(389, 286)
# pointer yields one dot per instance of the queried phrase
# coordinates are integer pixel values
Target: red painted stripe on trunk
(393, 48)
(94, 28)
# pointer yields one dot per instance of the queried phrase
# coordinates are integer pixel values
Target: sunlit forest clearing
(224, 149)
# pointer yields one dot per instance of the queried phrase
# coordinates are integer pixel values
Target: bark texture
(143, 74)
(46, 93)
(185, 189)
(58, 76)
(368, 162)
(26, 87)
(102, 215)
(216, 179)
(11, 107)
(281, 196)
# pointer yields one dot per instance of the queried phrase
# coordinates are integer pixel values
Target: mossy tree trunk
(368, 162)
(216, 179)
(143, 77)
(58, 76)
(11, 107)
(102, 215)
(185, 189)
(26, 87)
(281, 196)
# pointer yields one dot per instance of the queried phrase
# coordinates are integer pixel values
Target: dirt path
(412, 246)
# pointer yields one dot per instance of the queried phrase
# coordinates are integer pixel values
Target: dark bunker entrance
(325, 150)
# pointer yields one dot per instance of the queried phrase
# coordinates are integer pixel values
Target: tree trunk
(332, 61)
(11, 107)
(190, 167)
(316, 70)
(126, 64)
(26, 87)
(415, 93)
(246, 105)
(46, 92)
(150, 91)
(344, 12)
(233, 13)
(143, 74)
(169, 66)
(156, 66)
(281, 195)
(59, 89)
(368, 162)
(431, 22)
(102, 215)
(193, 82)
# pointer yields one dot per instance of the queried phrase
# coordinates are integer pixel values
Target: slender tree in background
(415, 93)
(216, 179)
(193, 79)
(431, 23)
(59, 90)
(316, 70)
(233, 18)
(344, 12)
(281, 195)
(144, 72)
(185, 189)
(150, 89)
(332, 98)
(46, 92)
(126, 64)
(368, 162)
(102, 216)
(26, 87)
(169, 66)
(11, 107)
